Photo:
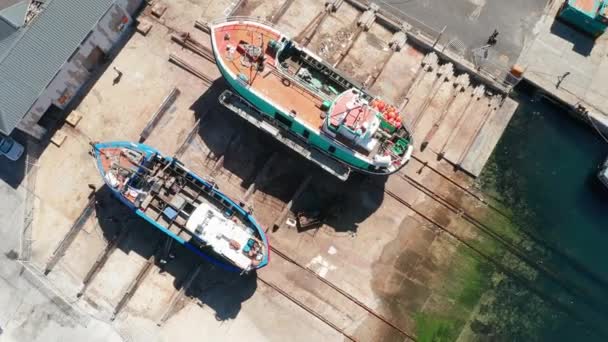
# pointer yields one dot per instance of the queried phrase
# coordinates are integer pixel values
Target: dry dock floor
(378, 260)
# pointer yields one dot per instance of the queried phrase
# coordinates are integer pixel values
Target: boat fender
(382, 161)
(112, 180)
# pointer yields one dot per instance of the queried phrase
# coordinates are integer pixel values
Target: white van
(10, 148)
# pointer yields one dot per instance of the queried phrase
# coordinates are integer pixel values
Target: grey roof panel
(16, 13)
(6, 29)
(42, 49)
(7, 3)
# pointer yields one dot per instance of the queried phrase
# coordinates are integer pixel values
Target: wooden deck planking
(270, 83)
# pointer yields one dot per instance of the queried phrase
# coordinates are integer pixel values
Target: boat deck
(175, 196)
(116, 158)
(270, 83)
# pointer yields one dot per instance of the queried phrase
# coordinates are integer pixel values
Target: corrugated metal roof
(15, 13)
(43, 47)
(8, 36)
(6, 28)
(8, 3)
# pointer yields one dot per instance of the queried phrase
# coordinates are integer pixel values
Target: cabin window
(332, 149)
(283, 120)
(306, 133)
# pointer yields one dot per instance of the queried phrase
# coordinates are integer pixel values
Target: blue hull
(211, 257)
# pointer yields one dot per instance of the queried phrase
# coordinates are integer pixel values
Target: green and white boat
(305, 103)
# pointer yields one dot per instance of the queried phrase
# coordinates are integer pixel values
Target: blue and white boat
(181, 204)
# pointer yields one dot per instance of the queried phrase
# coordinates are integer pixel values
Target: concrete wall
(73, 75)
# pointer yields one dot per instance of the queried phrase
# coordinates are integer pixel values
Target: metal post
(439, 37)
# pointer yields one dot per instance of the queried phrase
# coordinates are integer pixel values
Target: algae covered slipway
(544, 170)
(534, 272)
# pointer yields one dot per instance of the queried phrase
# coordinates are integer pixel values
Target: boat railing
(282, 73)
(241, 19)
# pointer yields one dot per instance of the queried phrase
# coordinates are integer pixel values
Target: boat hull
(318, 144)
(315, 139)
(208, 256)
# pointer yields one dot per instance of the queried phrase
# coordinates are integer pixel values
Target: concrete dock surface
(469, 23)
(559, 52)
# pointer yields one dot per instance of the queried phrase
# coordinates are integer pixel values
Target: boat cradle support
(296, 143)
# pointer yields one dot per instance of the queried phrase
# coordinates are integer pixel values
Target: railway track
(571, 288)
(521, 280)
(307, 309)
(455, 208)
(461, 187)
(339, 292)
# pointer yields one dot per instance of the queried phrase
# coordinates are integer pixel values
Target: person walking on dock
(118, 76)
(561, 79)
(492, 39)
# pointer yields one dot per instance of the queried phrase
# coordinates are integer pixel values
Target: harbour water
(544, 170)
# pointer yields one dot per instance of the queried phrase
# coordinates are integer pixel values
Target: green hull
(588, 22)
(314, 138)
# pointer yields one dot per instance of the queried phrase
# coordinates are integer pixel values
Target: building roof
(13, 11)
(31, 56)
(9, 24)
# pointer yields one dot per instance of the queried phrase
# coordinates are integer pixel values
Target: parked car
(10, 148)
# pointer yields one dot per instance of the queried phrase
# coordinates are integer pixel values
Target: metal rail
(374, 77)
(190, 68)
(261, 178)
(184, 39)
(573, 289)
(184, 145)
(203, 26)
(281, 11)
(460, 186)
(179, 295)
(351, 42)
(439, 81)
(492, 107)
(69, 238)
(283, 215)
(523, 281)
(455, 208)
(343, 293)
(306, 35)
(135, 284)
(101, 260)
(307, 309)
(508, 271)
(158, 115)
(444, 113)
